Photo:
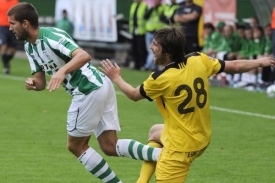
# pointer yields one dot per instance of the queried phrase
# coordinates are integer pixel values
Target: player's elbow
(133, 98)
(136, 97)
(87, 57)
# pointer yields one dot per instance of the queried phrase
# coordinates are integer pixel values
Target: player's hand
(110, 69)
(56, 81)
(29, 84)
(267, 61)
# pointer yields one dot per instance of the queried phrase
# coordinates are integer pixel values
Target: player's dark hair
(24, 11)
(172, 41)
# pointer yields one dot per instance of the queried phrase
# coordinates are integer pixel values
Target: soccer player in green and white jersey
(93, 108)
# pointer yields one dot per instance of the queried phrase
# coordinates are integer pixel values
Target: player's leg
(12, 43)
(126, 147)
(81, 123)
(148, 167)
(3, 47)
(8, 44)
(109, 124)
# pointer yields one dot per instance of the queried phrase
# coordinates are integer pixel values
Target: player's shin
(148, 167)
(95, 164)
(136, 150)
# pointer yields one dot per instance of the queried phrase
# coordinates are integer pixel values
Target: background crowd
(248, 40)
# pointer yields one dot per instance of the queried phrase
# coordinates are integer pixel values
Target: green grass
(33, 135)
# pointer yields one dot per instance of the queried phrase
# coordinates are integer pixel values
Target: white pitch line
(242, 112)
(212, 107)
(17, 78)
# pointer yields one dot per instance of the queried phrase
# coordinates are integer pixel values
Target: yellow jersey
(181, 91)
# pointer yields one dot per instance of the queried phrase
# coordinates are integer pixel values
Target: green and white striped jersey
(53, 49)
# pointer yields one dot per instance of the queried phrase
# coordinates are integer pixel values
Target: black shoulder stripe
(194, 54)
(143, 93)
(156, 74)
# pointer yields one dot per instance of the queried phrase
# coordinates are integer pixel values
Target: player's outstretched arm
(113, 72)
(239, 66)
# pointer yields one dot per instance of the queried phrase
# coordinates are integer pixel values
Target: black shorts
(7, 37)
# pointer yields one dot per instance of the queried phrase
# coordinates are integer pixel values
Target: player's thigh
(172, 166)
(86, 111)
(109, 118)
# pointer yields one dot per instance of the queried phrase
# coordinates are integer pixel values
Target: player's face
(160, 58)
(17, 28)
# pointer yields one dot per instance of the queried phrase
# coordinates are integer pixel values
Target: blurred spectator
(8, 40)
(219, 27)
(246, 48)
(169, 12)
(259, 42)
(229, 47)
(254, 22)
(268, 74)
(137, 29)
(153, 23)
(258, 51)
(217, 37)
(273, 31)
(188, 16)
(240, 34)
(213, 38)
(65, 24)
(268, 40)
(209, 30)
(230, 44)
(240, 31)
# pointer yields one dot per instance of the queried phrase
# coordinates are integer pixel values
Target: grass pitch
(33, 135)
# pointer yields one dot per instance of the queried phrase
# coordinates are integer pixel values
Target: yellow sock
(148, 167)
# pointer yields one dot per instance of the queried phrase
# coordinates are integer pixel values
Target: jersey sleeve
(61, 41)
(152, 88)
(35, 67)
(212, 65)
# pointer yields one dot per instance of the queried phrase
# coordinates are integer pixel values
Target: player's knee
(76, 149)
(107, 142)
(155, 131)
(72, 148)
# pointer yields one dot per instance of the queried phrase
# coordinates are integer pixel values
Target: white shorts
(95, 112)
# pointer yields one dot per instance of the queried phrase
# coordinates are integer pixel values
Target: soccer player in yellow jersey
(181, 91)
